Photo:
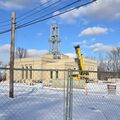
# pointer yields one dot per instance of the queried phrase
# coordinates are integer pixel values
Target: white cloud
(44, 1)
(70, 16)
(5, 48)
(19, 4)
(34, 52)
(76, 43)
(39, 34)
(102, 9)
(71, 55)
(93, 40)
(5, 53)
(94, 31)
(85, 43)
(13, 4)
(100, 47)
(82, 42)
(96, 47)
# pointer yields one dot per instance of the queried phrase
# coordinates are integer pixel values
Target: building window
(30, 72)
(56, 74)
(22, 72)
(51, 74)
(26, 72)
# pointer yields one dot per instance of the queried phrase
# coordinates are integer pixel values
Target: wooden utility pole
(12, 48)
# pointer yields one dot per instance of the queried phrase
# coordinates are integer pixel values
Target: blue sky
(95, 27)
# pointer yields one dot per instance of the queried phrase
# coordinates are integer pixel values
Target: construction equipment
(82, 73)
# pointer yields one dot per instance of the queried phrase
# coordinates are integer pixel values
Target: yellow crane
(82, 73)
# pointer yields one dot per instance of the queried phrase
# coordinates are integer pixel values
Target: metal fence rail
(45, 94)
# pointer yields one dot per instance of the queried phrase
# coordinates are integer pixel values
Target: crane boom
(80, 62)
(82, 73)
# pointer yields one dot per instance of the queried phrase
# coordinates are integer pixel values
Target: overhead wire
(6, 25)
(32, 10)
(37, 20)
(39, 11)
(7, 22)
(5, 31)
(66, 6)
(30, 13)
(59, 13)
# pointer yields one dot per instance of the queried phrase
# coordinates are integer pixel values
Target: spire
(54, 42)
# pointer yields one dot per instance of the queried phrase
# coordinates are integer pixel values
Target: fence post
(69, 96)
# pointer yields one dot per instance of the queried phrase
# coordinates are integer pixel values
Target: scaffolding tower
(54, 42)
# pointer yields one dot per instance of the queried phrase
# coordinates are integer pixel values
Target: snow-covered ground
(40, 103)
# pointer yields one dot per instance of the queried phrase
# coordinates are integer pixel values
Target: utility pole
(12, 48)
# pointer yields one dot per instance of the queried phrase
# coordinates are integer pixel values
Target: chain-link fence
(38, 95)
(42, 94)
(98, 98)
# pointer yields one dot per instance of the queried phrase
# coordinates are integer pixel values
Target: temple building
(34, 69)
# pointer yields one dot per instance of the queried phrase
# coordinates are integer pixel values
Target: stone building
(46, 68)
(34, 69)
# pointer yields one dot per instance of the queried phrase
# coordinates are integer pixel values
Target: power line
(4, 24)
(5, 21)
(22, 15)
(40, 20)
(42, 10)
(32, 10)
(5, 31)
(66, 6)
(29, 13)
(39, 11)
(25, 25)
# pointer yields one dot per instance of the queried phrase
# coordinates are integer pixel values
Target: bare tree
(101, 68)
(21, 53)
(114, 59)
(110, 64)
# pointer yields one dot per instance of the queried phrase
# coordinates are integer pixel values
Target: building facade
(46, 68)
(51, 66)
